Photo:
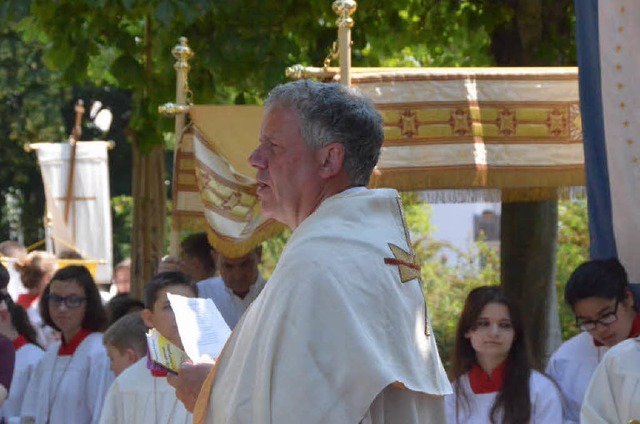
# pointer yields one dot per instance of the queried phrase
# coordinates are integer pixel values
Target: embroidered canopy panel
(503, 133)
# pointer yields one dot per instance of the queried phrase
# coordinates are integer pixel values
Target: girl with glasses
(69, 383)
(493, 381)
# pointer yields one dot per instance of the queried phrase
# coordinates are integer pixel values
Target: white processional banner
(88, 226)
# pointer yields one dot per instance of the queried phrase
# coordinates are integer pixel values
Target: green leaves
(127, 71)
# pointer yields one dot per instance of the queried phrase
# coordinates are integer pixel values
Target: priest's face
(161, 316)
(67, 306)
(289, 183)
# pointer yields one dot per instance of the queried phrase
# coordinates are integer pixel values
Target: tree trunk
(149, 215)
(528, 253)
(529, 229)
(149, 196)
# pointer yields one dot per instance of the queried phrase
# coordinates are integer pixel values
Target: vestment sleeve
(599, 405)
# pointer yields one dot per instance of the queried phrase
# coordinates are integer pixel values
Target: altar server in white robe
(601, 299)
(126, 341)
(238, 285)
(494, 379)
(613, 395)
(140, 395)
(15, 325)
(340, 333)
(70, 382)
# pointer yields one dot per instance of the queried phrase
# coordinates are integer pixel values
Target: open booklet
(202, 330)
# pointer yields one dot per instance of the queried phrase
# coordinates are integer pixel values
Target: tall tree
(30, 112)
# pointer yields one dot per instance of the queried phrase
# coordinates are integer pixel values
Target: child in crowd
(35, 271)
(493, 381)
(139, 395)
(121, 305)
(126, 341)
(69, 383)
(15, 325)
(600, 296)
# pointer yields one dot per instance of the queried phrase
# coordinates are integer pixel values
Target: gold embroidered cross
(405, 261)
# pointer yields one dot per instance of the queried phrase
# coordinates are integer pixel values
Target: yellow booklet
(163, 353)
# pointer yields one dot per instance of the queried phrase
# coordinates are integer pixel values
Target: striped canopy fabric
(607, 32)
(461, 134)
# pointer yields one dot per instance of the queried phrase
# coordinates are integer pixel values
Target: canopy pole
(344, 9)
(182, 52)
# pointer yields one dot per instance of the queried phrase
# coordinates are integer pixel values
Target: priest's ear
(331, 159)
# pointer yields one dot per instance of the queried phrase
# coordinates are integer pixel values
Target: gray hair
(333, 113)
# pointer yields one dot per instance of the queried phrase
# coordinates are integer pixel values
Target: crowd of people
(340, 333)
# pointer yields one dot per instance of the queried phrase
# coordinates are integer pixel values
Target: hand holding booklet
(202, 330)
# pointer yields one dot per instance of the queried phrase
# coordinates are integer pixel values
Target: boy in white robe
(139, 395)
(603, 302)
(126, 341)
(613, 395)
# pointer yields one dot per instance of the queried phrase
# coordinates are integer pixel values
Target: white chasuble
(342, 318)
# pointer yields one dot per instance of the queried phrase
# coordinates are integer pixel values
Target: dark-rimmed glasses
(71, 302)
(605, 320)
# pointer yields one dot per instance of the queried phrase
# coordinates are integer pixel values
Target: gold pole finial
(183, 53)
(344, 9)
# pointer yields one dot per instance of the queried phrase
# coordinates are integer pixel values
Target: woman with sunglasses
(603, 303)
(493, 381)
(69, 383)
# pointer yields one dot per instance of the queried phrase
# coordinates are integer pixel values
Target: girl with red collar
(15, 325)
(69, 383)
(493, 381)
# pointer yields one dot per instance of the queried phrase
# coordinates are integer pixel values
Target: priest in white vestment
(613, 395)
(341, 333)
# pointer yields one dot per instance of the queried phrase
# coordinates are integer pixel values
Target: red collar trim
(635, 327)
(635, 331)
(70, 348)
(159, 373)
(26, 299)
(481, 382)
(19, 341)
